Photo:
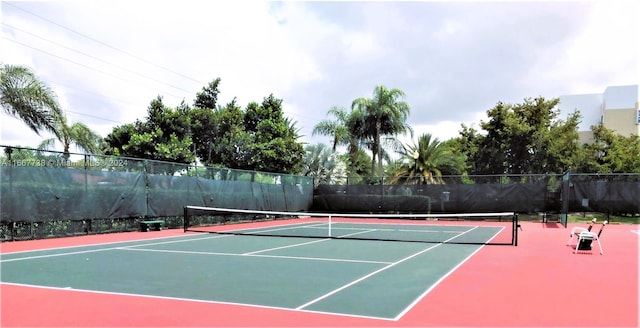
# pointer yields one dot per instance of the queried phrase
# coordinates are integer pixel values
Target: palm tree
(385, 117)
(429, 160)
(322, 164)
(344, 130)
(23, 96)
(77, 134)
(336, 129)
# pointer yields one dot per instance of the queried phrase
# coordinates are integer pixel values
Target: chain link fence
(45, 194)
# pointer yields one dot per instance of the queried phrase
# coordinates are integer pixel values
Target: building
(617, 109)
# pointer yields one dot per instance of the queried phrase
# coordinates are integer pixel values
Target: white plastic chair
(584, 234)
(576, 230)
(588, 236)
(574, 233)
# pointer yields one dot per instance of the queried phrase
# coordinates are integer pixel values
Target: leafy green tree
(77, 134)
(275, 145)
(208, 97)
(24, 96)
(345, 130)
(205, 121)
(428, 160)
(165, 135)
(522, 138)
(359, 164)
(232, 146)
(383, 115)
(204, 130)
(18, 154)
(611, 152)
(337, 129)
(259, 138)
(563, 150)
(321, 162)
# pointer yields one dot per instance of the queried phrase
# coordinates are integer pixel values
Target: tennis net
(464, 228)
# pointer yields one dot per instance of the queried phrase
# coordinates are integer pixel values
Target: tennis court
(364, 278)
(232, 275)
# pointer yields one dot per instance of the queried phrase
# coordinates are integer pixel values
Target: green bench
(151, 225)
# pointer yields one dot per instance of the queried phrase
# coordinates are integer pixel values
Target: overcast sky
(106, 60)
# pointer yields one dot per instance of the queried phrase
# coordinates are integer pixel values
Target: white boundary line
(299, 308)
(196, 300)
(395, 230)
(275, 228)
(283, 247)
(92, 245)
(364, 277)
(418, 224)
(252, 255)
(432, 287)
(376, 272)
(91, 250)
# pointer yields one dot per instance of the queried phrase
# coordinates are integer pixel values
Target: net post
(185, 220)
(516, 225)
(329, 226)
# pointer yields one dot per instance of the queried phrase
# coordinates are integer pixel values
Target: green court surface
(377, 279)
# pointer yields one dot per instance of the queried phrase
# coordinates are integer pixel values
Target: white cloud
(453, 60)
(447, 29)
(604, 53)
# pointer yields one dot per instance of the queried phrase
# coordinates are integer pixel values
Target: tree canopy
(258, 138)
(521, 138)
(383, 115)
(165, 135)
(428, 161)
(524, 138)
(610, 153)
(24, 96)
(345, 131)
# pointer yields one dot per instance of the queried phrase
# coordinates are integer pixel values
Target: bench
(151, 225)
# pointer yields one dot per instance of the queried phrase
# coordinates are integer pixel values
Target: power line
(88, 67)
(74, 88)
(300, 117)
(104, 44)
(93, 116)
(94, 57)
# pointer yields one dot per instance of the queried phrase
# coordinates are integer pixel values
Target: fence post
(566, 185)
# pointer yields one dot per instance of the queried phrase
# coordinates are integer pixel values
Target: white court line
(253, 255)
(385, 229)
(94, 250)
(299, 309)
(177, 241)
(357, 233)
(336, 221)
(194, 300)
(56, 255)
(287, 246)
(280, 228)
(360, 231)
(376, 272)
(637, 232)
(419, 298)
(92, 245)
(434, 231)
(364, 277)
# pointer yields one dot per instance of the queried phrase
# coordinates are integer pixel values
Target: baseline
(89, 250)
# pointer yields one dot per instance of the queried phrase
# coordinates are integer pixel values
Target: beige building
(617, 109)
